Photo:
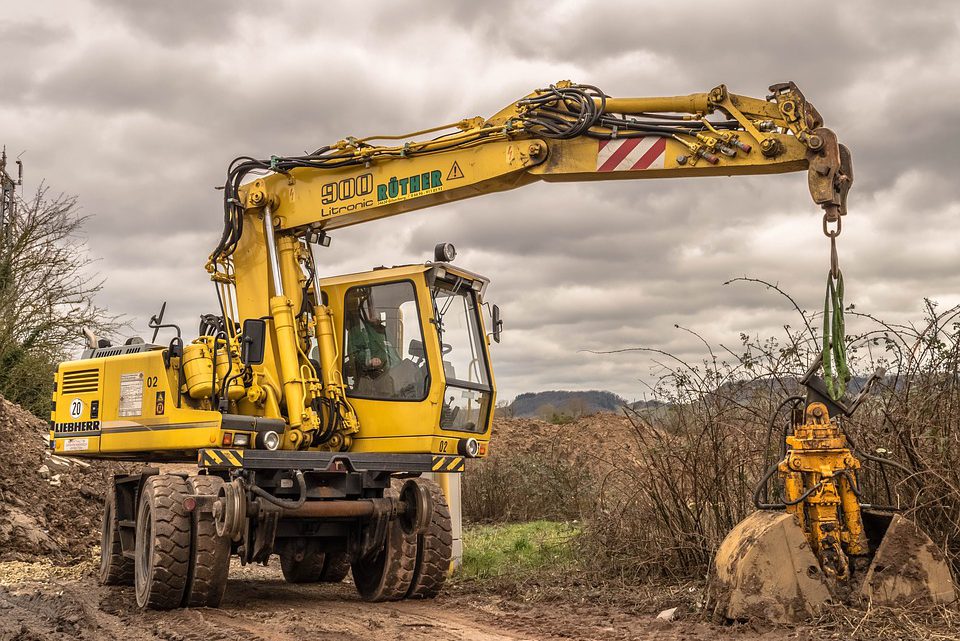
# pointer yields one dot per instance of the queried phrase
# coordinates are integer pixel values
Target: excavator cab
(415, 360)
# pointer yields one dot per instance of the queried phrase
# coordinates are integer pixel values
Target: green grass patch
(516, 548)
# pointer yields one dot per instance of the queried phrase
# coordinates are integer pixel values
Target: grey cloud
(178, 22)
(138, 107)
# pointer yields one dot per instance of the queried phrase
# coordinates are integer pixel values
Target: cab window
(468, 392)
(384, 357)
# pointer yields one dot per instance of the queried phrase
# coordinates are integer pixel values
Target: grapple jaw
(907, 567)
(765, 569)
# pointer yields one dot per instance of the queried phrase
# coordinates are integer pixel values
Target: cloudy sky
(137, 107)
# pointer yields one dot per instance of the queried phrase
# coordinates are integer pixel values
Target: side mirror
(253, 341)
(497, 328)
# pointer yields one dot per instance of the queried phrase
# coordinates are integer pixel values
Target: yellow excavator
(314, 406)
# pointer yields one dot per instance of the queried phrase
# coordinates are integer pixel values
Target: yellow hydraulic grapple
(822, 544)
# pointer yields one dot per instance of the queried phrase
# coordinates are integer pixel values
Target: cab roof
(402, 271)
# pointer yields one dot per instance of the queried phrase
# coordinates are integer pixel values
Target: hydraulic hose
(761, 487)
(285, 503)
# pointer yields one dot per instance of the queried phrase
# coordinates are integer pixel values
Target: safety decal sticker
(631, 154)
(455, 171)
(131, 394)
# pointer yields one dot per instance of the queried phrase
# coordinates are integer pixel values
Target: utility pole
(8, 188)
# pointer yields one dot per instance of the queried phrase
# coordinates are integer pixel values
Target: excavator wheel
(164, 526)
(434, 547)
(336, 567)
(209, 553)
(387, 576)
(115, 569)
(765, 569)
(302, 561)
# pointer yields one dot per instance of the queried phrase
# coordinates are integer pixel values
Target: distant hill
(560, 404)
(535, 404)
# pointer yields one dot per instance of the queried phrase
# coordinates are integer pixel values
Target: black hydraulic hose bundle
(580, 111)
(762, 486)
(331, 419)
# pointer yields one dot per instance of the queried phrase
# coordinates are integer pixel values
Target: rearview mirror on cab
(253, 341)
(497, 323)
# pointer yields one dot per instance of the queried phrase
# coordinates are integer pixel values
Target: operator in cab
(373, 365)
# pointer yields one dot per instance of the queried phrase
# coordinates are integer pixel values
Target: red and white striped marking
(631, 154)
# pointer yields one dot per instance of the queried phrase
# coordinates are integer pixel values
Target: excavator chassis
(172, 535)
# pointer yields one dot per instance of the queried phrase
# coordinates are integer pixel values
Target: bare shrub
(664, 512)
(527, 480)
(699, 456)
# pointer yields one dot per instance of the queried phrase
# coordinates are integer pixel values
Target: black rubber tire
(336, 567)
(388, 575)
(434, 548)
(209, 553)
(115, 569)
(163, 543)
(302, 561)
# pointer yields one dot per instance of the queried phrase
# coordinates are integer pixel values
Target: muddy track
(260, 606)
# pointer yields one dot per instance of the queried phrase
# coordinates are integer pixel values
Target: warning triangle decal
(454, 172)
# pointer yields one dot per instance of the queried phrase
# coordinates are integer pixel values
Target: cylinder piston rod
(271, 242)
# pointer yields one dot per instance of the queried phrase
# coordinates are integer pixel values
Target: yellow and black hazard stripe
(220, 458)
(447, 464)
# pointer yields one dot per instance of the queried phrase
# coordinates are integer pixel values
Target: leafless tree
(47, 292)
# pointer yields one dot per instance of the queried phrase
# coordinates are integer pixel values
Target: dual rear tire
(162, 553)
(115, 568)
(178, 558)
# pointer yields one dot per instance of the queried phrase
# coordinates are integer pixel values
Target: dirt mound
(603, 436)
(49, 505)
(538, 470)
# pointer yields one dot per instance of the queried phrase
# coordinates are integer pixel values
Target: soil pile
(49, 505)
(604, 437)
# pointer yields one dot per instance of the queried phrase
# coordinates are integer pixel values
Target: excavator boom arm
(564, 133)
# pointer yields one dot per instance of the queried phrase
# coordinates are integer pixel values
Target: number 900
(347, 188)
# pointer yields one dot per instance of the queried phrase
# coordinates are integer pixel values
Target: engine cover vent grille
(81, 381)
